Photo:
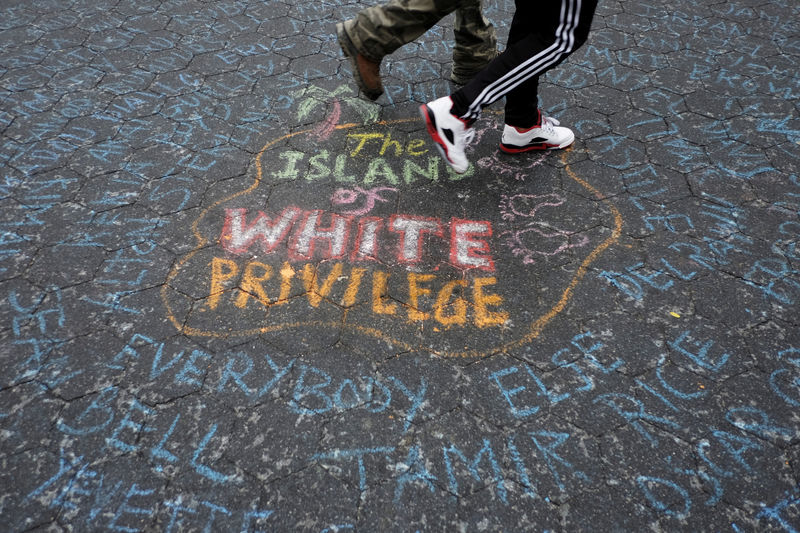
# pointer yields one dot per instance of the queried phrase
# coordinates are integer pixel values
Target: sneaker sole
(513, 149)
(433, 131)
(350, 52)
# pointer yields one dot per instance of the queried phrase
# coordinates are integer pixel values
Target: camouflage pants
(379, 30)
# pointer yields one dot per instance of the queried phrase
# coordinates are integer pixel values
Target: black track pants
(543, 33)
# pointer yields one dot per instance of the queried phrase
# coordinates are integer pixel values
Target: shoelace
(469, 136)
(548, 123)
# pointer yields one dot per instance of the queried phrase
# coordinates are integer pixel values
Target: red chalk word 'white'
(310, 234)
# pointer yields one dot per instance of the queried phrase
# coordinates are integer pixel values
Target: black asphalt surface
(237, 296)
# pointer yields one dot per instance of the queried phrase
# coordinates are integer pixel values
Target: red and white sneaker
(450, 133)
(548, 134)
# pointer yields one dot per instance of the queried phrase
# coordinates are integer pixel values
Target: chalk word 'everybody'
(130, 426)
(314, 391)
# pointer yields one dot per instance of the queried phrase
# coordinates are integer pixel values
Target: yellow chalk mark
(484, 317)
(356, 274)
(252, 284)
(222, 270)
(314, 291)
(459, 312)
(287, 272)
(415, 290)
(380, 280)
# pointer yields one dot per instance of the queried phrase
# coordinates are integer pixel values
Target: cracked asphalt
(237, 296)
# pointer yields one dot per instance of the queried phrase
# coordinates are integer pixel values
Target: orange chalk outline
(534, 331)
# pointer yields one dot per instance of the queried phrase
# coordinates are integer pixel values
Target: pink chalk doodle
(518, 169)
(535, 237)
(349, 196)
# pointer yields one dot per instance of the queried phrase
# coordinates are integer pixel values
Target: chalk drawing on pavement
(359, 263)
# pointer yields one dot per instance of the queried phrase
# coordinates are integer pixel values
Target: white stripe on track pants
(542, 34)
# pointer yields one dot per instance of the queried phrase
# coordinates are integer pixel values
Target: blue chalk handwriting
(633, 411)
(126, 508)
(665, 496)
(785, 382)
(413, 470)
(315, 394)
(776, 513)
(547, 442)
(76, 486)
(517, 384)
(776, 279)
(636, 279)
(698, 352)
(358, 454)
(472, 466)
(757, 422)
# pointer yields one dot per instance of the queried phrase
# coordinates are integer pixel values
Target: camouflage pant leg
(379, 30)
(476, 40)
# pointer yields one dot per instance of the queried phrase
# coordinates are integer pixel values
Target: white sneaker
(450, 133)
(547, 135)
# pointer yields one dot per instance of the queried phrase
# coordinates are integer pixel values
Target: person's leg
(379, 30)
(475, 42)
(522, 103)
(547, 42)
(526, 127)
(543, 36)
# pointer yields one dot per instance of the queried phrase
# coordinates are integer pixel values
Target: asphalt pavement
(235, 295)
